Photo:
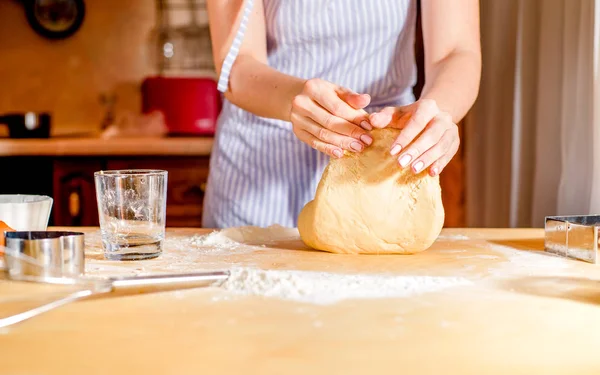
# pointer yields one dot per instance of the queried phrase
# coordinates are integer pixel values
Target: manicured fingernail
(337, 153)
(356, 146)
(434, 171)
(405, 160)
(396, 149)
(366, 139)
(418, 166)
(365, 125)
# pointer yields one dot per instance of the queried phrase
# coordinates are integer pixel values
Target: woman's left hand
(428, 139)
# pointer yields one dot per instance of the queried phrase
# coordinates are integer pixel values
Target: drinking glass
(132, 207)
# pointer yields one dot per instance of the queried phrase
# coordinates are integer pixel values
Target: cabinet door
(185, 187)
(452, 180)
(74, 192)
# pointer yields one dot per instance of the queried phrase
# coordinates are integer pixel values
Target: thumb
(383, 118)
(395, 117)
(356, 101)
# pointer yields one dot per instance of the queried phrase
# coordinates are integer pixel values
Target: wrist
(296, 88)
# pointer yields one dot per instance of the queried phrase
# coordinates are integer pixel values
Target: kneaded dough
(366, 203)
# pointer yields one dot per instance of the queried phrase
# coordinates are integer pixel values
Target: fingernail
(405, 160)
(366, 139)
(356, 146)
(418, 166)
(337, 153)
(365, 125)
(434, 171)
(396, 149)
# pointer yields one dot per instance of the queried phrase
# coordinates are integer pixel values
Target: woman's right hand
(330, 118)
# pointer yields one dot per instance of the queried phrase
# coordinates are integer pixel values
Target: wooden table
(526, 312)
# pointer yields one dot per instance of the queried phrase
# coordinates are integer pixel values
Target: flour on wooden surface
(454, 237)
(235, 238)
(216, 238)
(479, 256)
(452, 251)
(528, 261)
(328, 288)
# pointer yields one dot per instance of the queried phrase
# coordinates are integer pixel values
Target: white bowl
(26, 212)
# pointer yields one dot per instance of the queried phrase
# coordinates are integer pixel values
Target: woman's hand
(428, 139)
(330, 118)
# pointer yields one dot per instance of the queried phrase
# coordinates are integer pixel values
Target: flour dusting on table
(216, 240)
(234, 238)
(454, 237)
(528, 262)
(328, 288)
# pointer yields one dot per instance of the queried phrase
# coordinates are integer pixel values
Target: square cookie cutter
(574, 237)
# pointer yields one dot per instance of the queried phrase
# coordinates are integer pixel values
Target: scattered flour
(528, 262)
(327, 288)
(249, 238)
(214, 243)
(455, 237)
(251, 235)
(217, 239)
(480, 256)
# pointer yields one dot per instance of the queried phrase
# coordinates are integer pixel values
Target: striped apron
(260, 173)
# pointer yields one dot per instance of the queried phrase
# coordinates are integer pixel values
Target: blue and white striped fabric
(235, 47)
(260, 173)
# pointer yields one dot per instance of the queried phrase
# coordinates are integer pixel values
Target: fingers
(324, 135)
(426, 111)
(318, 145)
(326, 94)
(304, 106)
(433, 149)
(329, 118)
(438, 166)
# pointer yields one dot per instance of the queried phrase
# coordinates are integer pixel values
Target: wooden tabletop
(523, 312)
(184, 146)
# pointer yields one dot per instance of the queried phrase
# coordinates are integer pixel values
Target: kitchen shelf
(180, 146)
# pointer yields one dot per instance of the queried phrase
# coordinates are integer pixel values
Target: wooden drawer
(75, 193)
(185, 187)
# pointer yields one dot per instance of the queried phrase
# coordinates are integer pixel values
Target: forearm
(454, 83)
(262, 90)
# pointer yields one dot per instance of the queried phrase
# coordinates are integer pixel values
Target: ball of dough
(366, 203)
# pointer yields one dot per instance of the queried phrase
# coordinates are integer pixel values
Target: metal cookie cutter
(44, 256)
(573, 237)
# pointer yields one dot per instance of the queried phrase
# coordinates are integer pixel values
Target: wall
(109, 53)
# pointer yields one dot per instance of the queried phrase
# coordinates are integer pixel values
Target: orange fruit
(4, 228)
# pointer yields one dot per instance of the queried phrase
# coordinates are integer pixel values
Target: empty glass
(132, 207)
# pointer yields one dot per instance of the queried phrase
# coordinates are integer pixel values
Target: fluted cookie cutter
(574, 237)
(44, 256)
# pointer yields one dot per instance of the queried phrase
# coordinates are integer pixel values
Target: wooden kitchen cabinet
(185, 185)
(74, 192)
(75, 199)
